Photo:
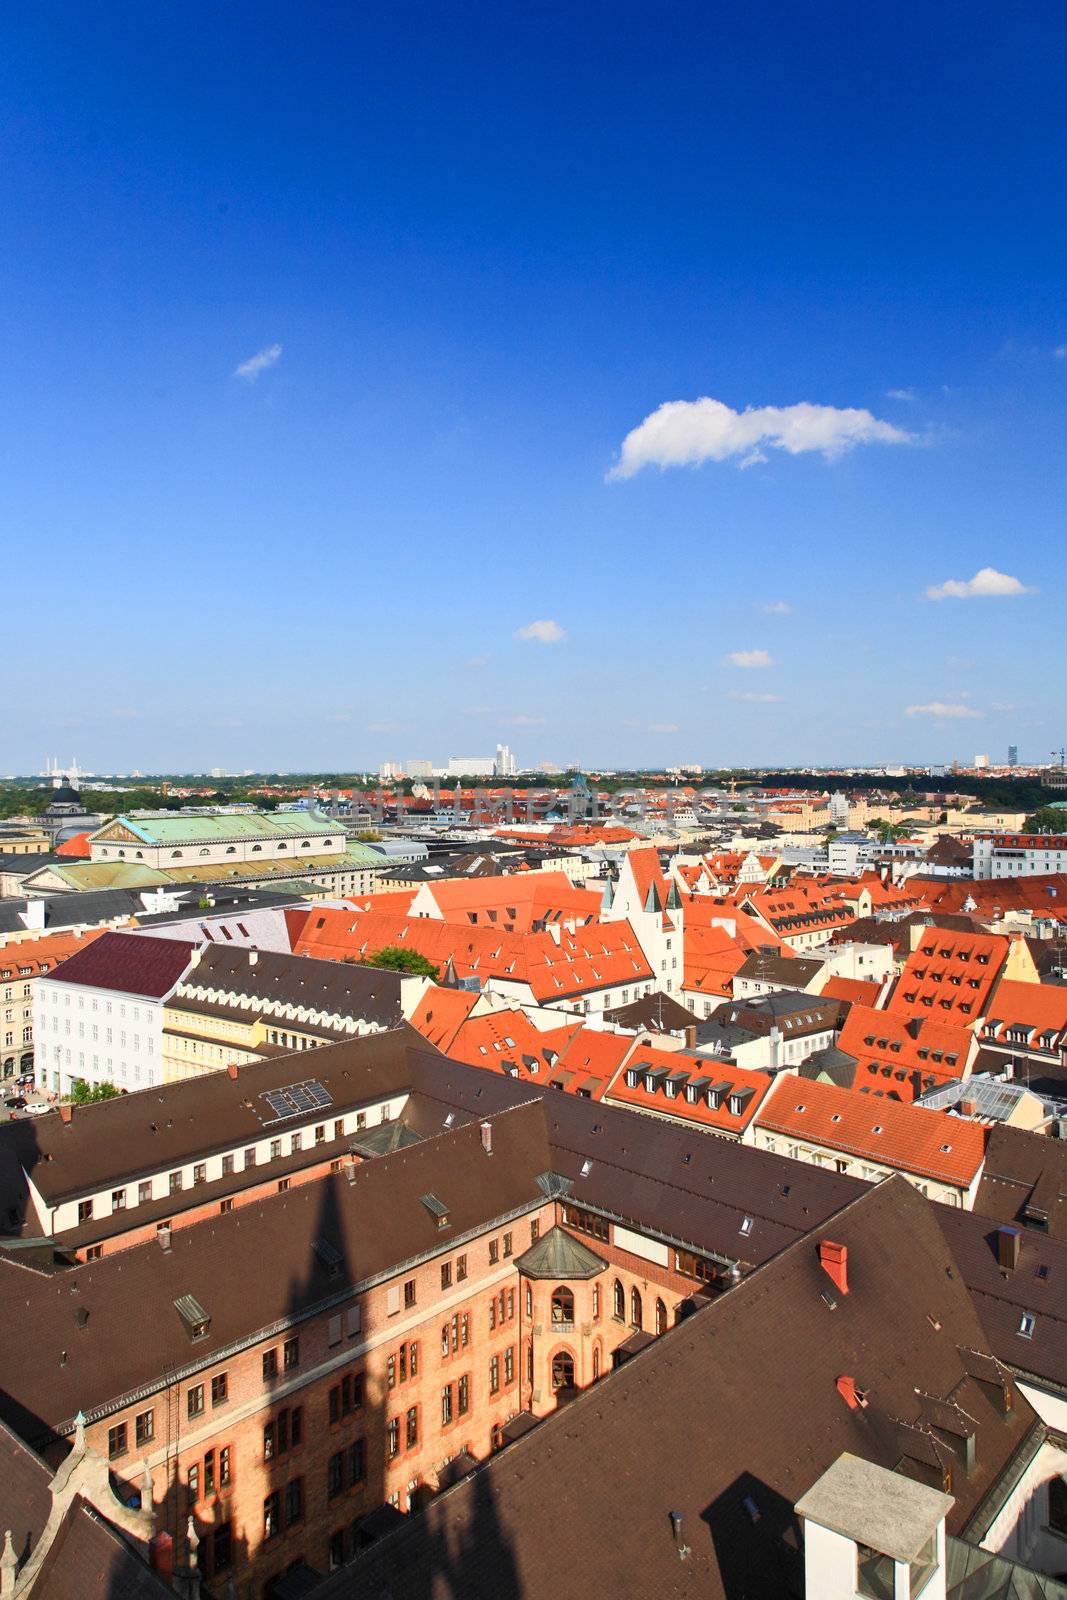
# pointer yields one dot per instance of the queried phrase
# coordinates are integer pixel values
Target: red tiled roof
(901, 1056)
(1041, 1008)
(931, 1144)
(716, 1118)
(77, 846)
(441, 1012)
(950, 974)
(857, 991)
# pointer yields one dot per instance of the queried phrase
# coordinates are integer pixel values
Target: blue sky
(476, 247)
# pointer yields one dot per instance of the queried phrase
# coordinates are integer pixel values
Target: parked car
(15, 1102)
(37, 1108)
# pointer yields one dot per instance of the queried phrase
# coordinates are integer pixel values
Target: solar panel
(296, 1100)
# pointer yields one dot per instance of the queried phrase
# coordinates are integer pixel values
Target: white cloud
(938, 708)
(686, 433)
(251, 369)
(748, 658)
(542, 632)
(754, 699)
(777, 608)
(1060, 352)
(753, 459)
(900, 394)
(986, 582)
(663, 727)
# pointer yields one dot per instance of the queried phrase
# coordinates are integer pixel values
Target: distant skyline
(625, 387)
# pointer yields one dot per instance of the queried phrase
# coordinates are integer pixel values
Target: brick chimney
(968, 1108)
(161, 1555)
(833, 1258)
(487, 1137)
(66, 1112)
(853, 1397)
(231, 1069)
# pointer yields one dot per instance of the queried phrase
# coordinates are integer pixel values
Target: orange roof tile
(950, 974)
(441, 1012)
(930, 1144)
(902, 1056)
(663, 1094)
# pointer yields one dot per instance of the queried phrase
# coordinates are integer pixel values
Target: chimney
(161, 1555)
(833, 1258)
(690, 1035)
(66, 1112)
(968, 1108)
(231, 1070)
(253, 956)
(1008, 1242)
(487, 1137)
(853, 1397)
(34, 915)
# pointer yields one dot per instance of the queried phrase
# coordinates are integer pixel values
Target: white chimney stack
(487, 1137)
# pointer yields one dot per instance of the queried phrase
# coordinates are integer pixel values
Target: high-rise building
(420, 769)
(505, 762)
(390, 770)
(1013, 755)
(980, 763)
(470, 767)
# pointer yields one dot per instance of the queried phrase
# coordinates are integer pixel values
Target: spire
(9, 1566)
(79, 1433)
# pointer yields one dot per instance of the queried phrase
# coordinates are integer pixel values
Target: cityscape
(533, 835)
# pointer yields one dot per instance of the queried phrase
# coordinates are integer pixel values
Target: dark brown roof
(658, 1013)
(1025, 1180)
(115, 1141)
(717, 1423)
(373, 1216)
(335, 987)
(769, 966)
(129, 963)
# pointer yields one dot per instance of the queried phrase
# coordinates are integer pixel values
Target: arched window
(562, 1305)
(661, 1317)
(257, 847)
(283, 847)
(122, 854)
(596, 1302)
(563, 1370)
(596, 1362)
(619, 1308)
(231, 849)
(306, 845)
(205, 851)
(529, 1301)
(175, 855)
(636, 1311)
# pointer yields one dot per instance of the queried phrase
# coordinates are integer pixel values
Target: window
(200, 1173)
(118, 1199)
(175, 1181)
(291, 1354)
(562, 1306)
(636, 1310)
(463, 1396)
(585, 1222)
(492, 1314)
(221, 1547)
(144, 1428)
(446, 1405)
(446, 1274)
(1027, 1323)
(1057, 1505)
(219, 1389)
(394, 1438)
(294, 1502)
(270, 1365)
(209, 1472)
(596, 1303)
(335, 1475)
(562, 1370)
(411, 1428)
(461, 1268)
(116, 1441)
(144, 1192)
(409, 1294)
(192, 1483)
(272, 1520)
(195, 1401)
(509, 1364)
(390, 1368)
(227, 1166)
(535, 1231)
(225, 1467)
(507, 1245)
(494, 1252)
(268, 1441)
(618, 1309)
(494, 1375)
(357, 1461)
(85, 1210)
(661, 1317)
(250, 1157)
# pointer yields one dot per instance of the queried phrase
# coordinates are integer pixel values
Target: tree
(887, 831)
(369, 836)
(395, 958)
(1049, 819)
(84, 1094)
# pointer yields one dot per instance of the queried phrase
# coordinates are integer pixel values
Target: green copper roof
(558, 1254)
(177, 828)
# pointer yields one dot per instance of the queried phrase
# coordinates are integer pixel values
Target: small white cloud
(542, 632)
(900, 394)
(753, 699)
(251, 369)
(686, 433)
(986, 582)
(663, 727)
(1060, 352)
(777, 608)
(751, 460)
(938, 708)
(748, 658)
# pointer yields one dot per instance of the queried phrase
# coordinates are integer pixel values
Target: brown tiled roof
(1025, 1180)
(689, 1427)
(346, 989)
